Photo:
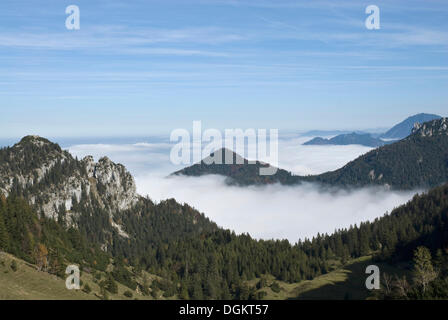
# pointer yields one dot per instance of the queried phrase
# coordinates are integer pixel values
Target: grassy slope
(29, 284)
(347, 282)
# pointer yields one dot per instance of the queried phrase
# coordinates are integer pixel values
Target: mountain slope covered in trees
(57, 210)
(191, 256)
(241, 171)
(418, 161)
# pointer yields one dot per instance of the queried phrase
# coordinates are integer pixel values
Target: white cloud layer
(274, 211)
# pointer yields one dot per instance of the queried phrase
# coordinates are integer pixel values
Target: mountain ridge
(419, 161)
(404, 128)
(239, 168)
(365, 139)
(31, 163)
(397, 132)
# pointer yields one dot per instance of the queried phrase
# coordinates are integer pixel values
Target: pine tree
(4, 238)
(423, 269)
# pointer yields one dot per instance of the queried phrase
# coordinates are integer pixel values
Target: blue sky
(146, 66)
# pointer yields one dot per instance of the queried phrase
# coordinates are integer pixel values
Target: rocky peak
(89, 164)
(117, 181)
(28, 162)
(36, 141)
(432, 128)
(34, 152)
(52, 179)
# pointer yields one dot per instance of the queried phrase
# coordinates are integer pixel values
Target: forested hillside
(44, 241)
(419, 161)
(240, 171)
(68, 206)
(193, 257)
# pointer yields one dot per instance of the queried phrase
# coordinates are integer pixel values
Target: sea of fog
(266, 212)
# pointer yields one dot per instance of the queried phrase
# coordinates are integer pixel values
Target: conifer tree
(4, 237)
(424, 271)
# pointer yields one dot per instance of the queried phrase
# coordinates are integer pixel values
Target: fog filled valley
(265, 212)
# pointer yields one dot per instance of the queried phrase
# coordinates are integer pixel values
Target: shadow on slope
(347, 283)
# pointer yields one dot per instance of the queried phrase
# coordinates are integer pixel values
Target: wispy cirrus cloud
(116, 37)
(305, 61)
(174, 52)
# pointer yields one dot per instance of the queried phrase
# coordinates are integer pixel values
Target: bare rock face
(89, 164)
(118, 183)
(53, 180)
(432, 128)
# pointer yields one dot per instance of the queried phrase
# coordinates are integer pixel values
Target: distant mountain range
(404, 128)
(419, 161)
(350, 138)
(398, 132)
(314, 133)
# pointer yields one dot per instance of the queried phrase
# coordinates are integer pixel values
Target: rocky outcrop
(404, 128)
(118, 183)
(53, 180)
(432, 128)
